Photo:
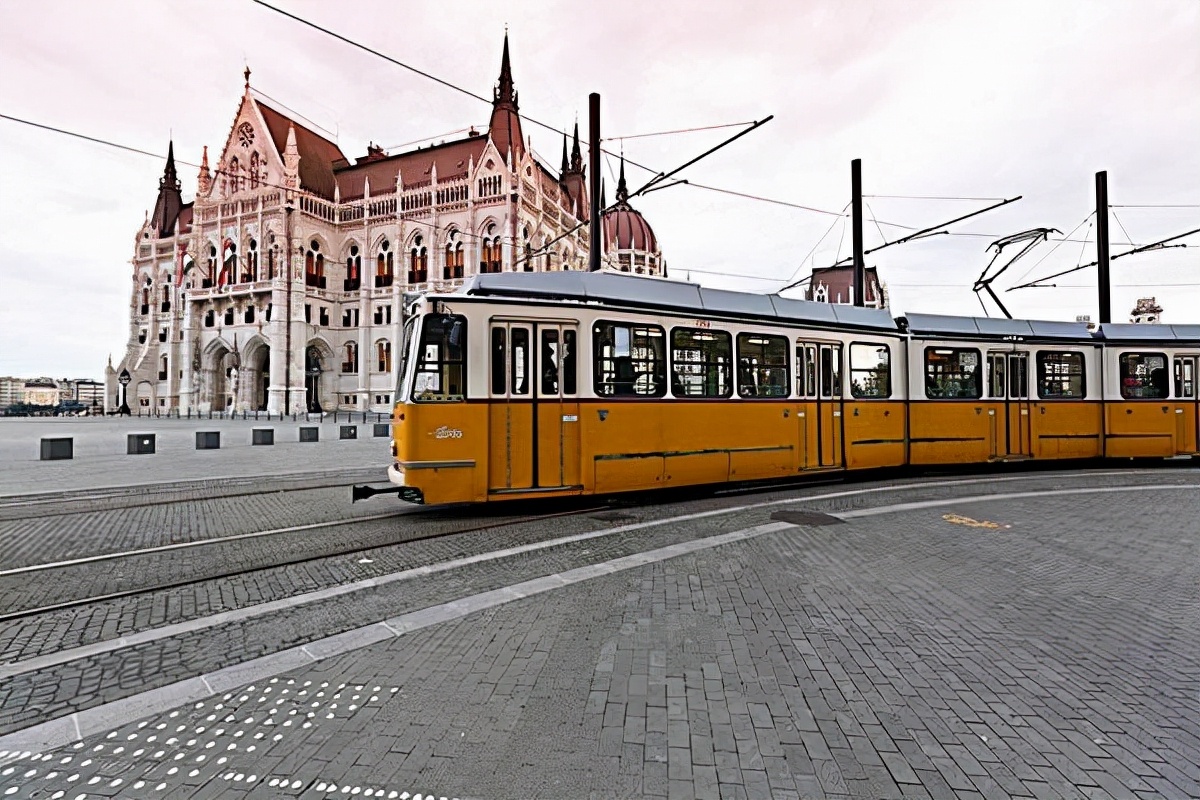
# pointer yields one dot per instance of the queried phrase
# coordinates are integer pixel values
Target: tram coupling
(409, 494)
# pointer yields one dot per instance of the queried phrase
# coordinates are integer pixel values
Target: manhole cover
(806, 518)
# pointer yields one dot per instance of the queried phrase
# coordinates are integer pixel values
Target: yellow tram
(528, 385)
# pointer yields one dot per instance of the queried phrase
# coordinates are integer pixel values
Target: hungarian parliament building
(281, 287)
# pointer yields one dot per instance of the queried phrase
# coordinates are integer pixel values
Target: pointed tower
(562, 171)
(204, 179)
(504, 129)
(170, 200)
(291, 160)
(573, 179)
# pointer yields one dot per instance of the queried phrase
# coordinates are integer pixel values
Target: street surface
(986, 636)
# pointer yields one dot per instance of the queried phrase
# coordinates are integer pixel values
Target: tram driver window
(870, 370)
(441, 372)
(630, 359)
(1060, 375)
(952, 373)
(762, 365)
(1143, 375)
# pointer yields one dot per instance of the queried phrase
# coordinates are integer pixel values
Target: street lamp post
(124, 380)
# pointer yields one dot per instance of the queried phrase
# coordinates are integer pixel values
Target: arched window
(383, 356)
(527, 251)
(418, 262)
(492, 257)
(353, 269)
(250, 265)
(210, 277)
(453, 266)
(350, 365)
(234, 171)
(384, 266)
(228, 263)
(255, 166)
(162, 368)
(314, 266)
(146, 300)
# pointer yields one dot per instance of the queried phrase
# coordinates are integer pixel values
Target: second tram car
(527, 385)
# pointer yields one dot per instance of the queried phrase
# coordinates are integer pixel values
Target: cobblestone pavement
(931, 645)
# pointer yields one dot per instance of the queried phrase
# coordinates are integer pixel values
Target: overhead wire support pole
(1102, 259)
(596, 235)
(856, 226)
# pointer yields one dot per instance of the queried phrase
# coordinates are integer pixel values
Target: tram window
(1143, 375)
(762, 365)
(996, 364)
(569, 368)
(441, 359)
(1060, 375)
(870, 370)
(499, 350)
(831, 371)
(630, 359)
(1185, 378)
(952, 372)
(701, 363)
(520, 361)
(806, 370)
(1018, 378)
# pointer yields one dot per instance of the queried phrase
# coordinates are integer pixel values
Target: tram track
(50, 568)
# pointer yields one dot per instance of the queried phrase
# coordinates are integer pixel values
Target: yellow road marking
(958, 519)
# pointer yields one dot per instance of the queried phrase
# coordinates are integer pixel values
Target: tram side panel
(1141, 419)
(1066, 419)
(950, 422)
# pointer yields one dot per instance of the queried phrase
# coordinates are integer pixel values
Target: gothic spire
(170, 200)
(505, 125)
(504, 89)
(565, 163)
(576, 155)
(204, 179)
(622, 189)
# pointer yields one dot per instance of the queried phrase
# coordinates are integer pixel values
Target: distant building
(1146, 312)
(41, 392)
(12, 391)
(280, 288)
(836, 285)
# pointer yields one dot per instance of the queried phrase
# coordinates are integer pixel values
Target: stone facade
(281, 287)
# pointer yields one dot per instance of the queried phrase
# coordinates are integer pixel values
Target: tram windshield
(440, 375)
(410, 328)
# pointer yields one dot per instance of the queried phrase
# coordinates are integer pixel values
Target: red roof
(317, 154)
(415, 167)
(185, 218)
(627, 229)
(838, 282)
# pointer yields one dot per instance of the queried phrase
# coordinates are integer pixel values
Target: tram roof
(672, 295)
(990, 328)
(1129, 332)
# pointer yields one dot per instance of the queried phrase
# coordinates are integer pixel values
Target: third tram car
(526, 385)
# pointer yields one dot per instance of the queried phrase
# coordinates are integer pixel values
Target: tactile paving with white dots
(198, 748)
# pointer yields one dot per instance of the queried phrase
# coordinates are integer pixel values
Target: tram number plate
(570, 418)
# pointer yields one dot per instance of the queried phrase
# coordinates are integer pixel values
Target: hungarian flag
(229, 262)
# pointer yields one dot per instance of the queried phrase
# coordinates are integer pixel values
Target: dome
(624, 227)
(627, 229)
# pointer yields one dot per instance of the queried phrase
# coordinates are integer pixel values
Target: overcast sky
(947, 98)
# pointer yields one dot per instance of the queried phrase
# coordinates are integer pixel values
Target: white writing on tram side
(447, 433)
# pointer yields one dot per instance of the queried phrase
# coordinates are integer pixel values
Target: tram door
(533, 413)
(1008, 375)
(819, 376)
(1187, 421)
